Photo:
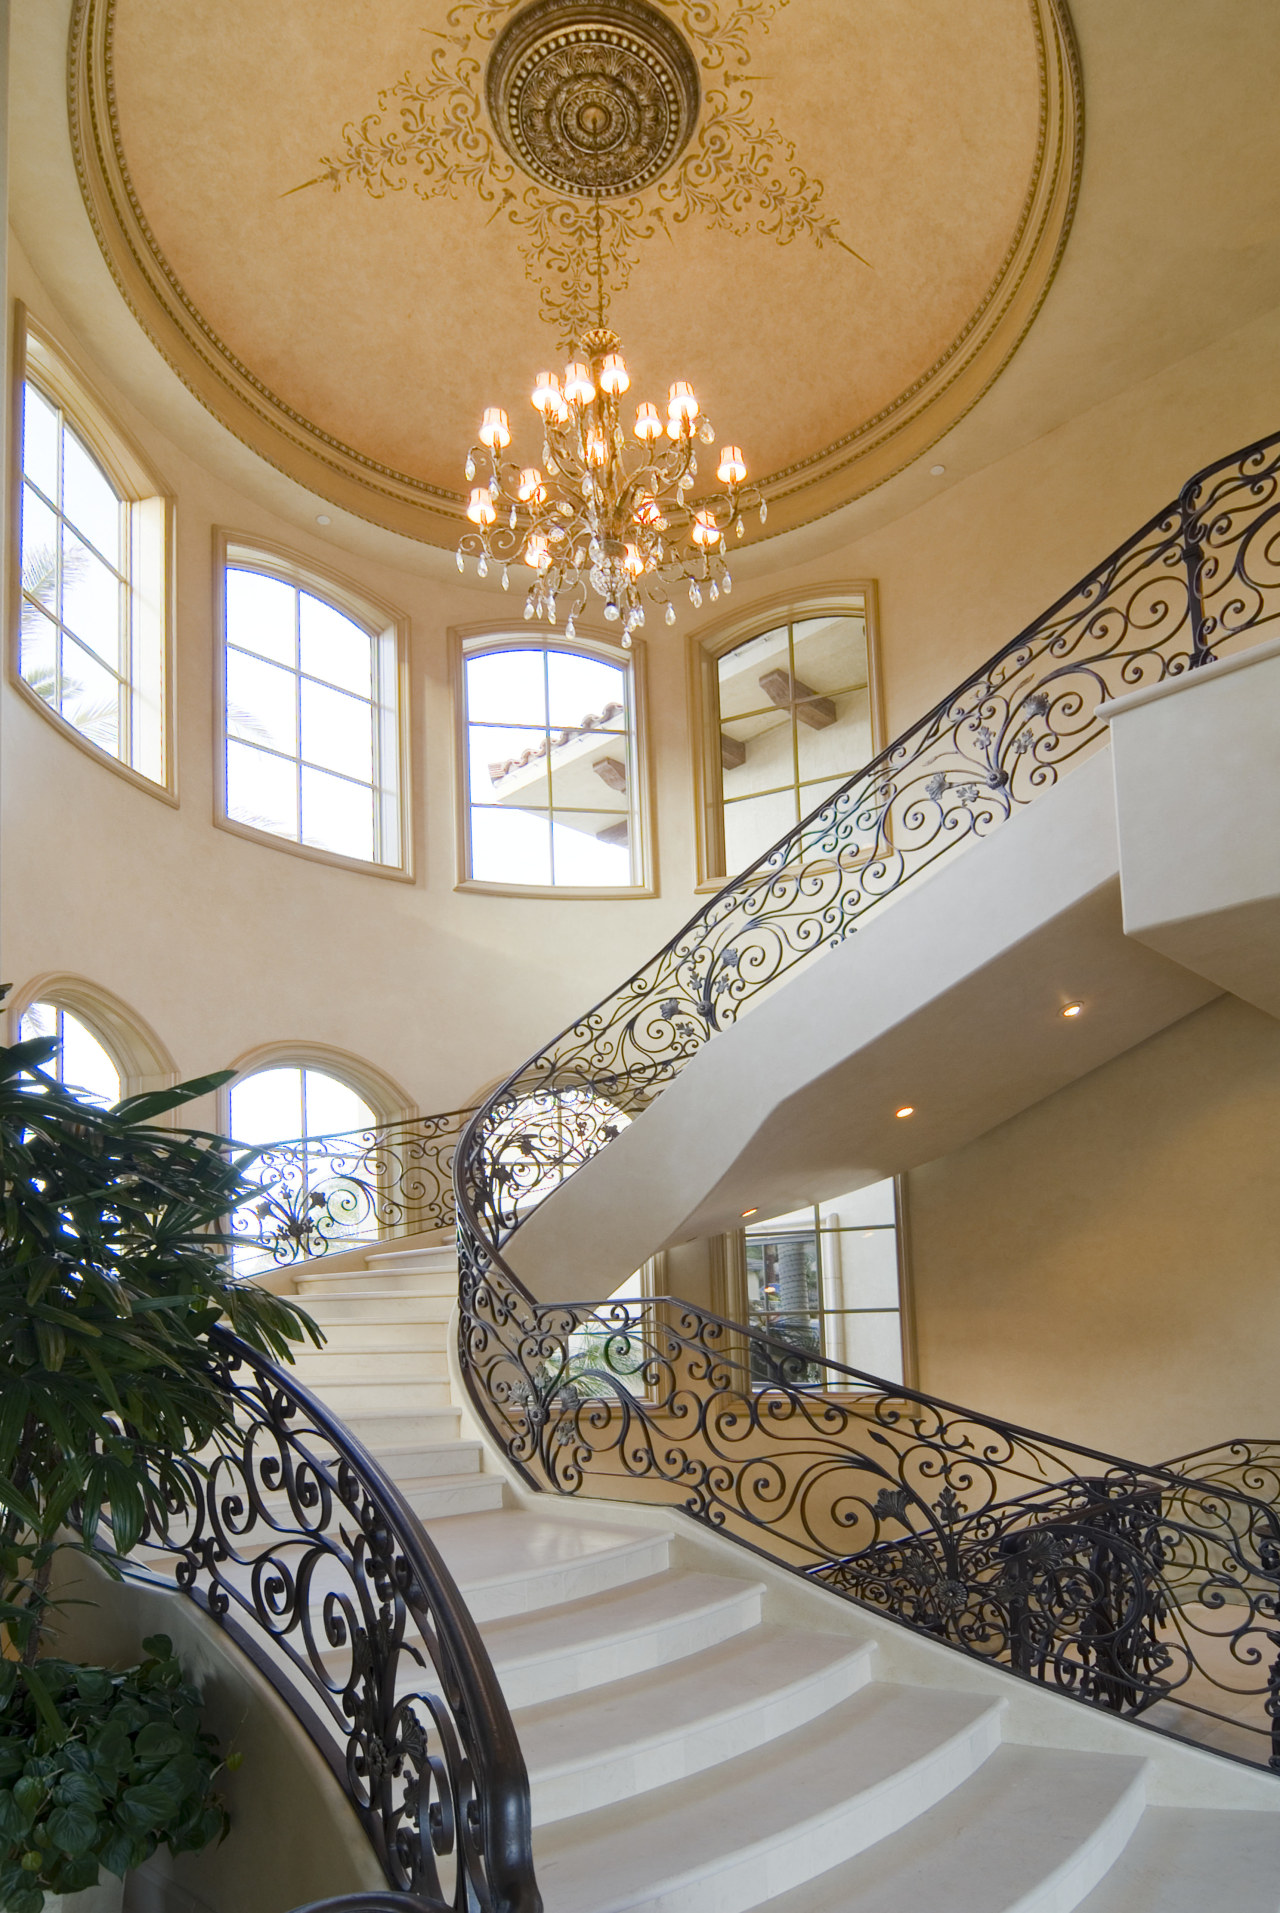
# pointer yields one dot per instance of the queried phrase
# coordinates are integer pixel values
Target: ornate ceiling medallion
(593, 99)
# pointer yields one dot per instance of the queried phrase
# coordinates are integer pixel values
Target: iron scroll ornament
(1085, 1570)
(293, 1540)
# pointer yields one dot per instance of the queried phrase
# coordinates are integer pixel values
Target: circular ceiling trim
(597, 99)
(813, 487)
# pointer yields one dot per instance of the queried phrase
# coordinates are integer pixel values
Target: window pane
(90, 500)
(85, 1063)
(508, 766)
(506, 687)
(862, 1268)
(581, 687)
(337, 731)
(333, 647)
(40, 440)
(874, 1343)
(739, 672)
(510, 846)
(39, 552)
(38, 655)
(267, 1107)
(262, 790)
(337, 815)
(591, 848)
(754, 825)
(332, 1106)
(90, 697)
(38, 1019)
(260, 615)
(91, 600)
(261, 702)
(862, 1209)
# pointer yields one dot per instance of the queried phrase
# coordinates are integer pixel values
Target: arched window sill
(571, 893)
(167, 793)
(398, 873)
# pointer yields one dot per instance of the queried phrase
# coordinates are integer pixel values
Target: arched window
(311, 695)
(320, 1175)
(553, 772)
(82, 1062)
(789, 713)
(94, 562)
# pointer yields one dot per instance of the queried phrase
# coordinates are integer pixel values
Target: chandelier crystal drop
(610, 508)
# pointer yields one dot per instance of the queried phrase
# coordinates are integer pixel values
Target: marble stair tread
(1185, 1860)
(1033, 1831)
(409, 1463)
(617, 1741)
(620, 1631)
(511, 1561)
(368, 1337)
(348, 1400)
(754, 1827)
(382, 1431)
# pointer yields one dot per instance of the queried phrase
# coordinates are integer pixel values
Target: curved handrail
(295, 1541)
(673, 1403)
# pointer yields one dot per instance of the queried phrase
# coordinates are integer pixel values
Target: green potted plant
(113, 1269)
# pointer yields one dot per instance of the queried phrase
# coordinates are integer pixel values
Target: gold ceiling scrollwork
(430, 134)
(738, 172)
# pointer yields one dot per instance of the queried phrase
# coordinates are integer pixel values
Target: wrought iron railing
(1086, 1570)
(294, 1541)
(322, 1193)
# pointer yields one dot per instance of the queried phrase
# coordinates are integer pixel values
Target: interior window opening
(81, 1064)
(90, 645)
(312, 727)
(828, 1278)
(794, 722)
(551, 769)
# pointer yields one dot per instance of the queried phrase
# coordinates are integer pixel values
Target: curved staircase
(700, 1737)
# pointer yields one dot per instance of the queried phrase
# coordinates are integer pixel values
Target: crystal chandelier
(606, 509)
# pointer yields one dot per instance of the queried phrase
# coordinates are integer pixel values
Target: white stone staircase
(697, 1744)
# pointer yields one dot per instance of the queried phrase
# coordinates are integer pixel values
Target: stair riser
(338, 1366)
(351, 1399)
(574, 1671)
(752, 1872)
(633, 1771)
(415, 1466)
(569, 1581)
(348, 1282)
(376, 1431)
(376, 1338)
(1073, 1882)
(358, 1311)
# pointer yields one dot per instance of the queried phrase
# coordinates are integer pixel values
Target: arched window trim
(474, 640)
(709, 644)
(247, 552)
(37, 356)
(384, 1095)
(141, 1057)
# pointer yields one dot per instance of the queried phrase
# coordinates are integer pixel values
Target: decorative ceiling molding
(723, 187)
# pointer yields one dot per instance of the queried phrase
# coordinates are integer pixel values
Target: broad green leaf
(73, 1828)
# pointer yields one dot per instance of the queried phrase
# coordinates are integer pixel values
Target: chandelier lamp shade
(610, 509)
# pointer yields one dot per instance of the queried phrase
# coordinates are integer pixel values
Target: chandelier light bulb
(546, 393)
(495, 431)
(537, 552)
(633, 561)
(579, 388)
(531, 489)
(614, 376)
(733, 467)
(648, 424)
(681, 403)
(597, 449)
(704, 530)
(647, 510)
(480, 509)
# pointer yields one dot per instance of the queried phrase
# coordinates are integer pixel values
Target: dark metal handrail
(1065, 1580)
(295, 1541)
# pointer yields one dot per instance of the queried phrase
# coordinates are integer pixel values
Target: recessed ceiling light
(322, 518)
(936, 471)
(1072, 1009)
(908, 1109)
(750, 1212)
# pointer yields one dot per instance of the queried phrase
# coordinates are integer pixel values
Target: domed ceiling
(351, 226)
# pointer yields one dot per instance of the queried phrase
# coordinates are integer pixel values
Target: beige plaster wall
(1106, 1266)
(224, 945)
